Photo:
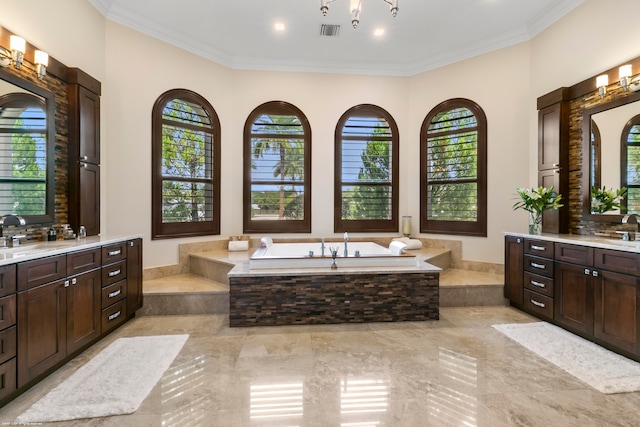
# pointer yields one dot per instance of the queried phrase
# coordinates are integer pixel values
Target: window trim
(624, 154)
(280, 226)
(366, 225)
(48, 217)
(160, 230)
(462, 228)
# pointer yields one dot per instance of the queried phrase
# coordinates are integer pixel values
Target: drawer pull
(538, 284)
(537, 248)
(114, 253)
(538, 304)
(115, 293)
(114, 273)
(114, 315)
(536, 265)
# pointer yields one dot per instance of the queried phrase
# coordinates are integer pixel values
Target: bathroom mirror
(602, 128)
(27, 149)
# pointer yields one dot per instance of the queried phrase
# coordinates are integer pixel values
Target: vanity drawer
(114, 273)
(617, 261)
(574, 254)
(539, 304)
(40, 271)
(7, 311)
(8, 378)
(8, 344)
(79, 262)
(541, 266)
(114, 315)
(114, 293)
(540, 248)
(540, 284)
(7, 279)
(113, 253)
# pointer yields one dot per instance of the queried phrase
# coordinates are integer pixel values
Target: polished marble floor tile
(457, 371)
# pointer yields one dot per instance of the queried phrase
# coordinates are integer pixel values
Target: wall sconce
(18, 46)
(41, 60)
(625, 76)
(602, 82)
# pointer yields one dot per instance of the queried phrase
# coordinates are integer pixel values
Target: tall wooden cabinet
(84, 151)
(513, 272)
(553, 155)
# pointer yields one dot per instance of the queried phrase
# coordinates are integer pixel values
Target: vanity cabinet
(8, 338)
(514, 272)
(84, 151)
(591, 291)
(134, 275)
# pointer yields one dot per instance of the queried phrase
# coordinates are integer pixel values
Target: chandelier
(356, 8)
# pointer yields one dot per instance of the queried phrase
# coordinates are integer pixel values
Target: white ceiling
(425, 35)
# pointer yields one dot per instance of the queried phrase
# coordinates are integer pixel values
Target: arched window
(631, 164)
(186, 166)
(277, 170)
(366, 170)
(23, 146)
(453, 167)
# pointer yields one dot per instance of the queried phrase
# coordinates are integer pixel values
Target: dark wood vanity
(55, 306)
(583, 286)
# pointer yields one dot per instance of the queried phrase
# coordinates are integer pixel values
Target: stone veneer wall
(59, 88)
(578, 165)
(333, 298)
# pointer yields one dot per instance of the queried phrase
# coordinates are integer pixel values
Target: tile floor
(457, 371)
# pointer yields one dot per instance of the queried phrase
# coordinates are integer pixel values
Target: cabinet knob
(66, 283)
(587, 271)
(74, 281)
(84, 158)
(595, 273)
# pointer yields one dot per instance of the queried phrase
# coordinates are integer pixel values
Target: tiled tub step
(184, 294)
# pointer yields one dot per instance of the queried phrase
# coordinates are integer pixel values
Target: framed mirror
(605, 131)
(27, 150)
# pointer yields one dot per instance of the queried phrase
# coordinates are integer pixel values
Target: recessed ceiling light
(279, 26)
(378, 32)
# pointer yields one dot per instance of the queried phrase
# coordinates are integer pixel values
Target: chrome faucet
(346, 239)
(322, 248)
(9, 219)
(632, 219)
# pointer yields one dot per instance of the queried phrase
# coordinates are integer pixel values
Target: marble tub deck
(452, 372)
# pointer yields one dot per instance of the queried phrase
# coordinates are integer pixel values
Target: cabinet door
(88, 126)
(573, 301)
(84, 296)
(42, 329)
(134, 275)
(513, 269)
(89, 198)
(617, 310)
(553, 136)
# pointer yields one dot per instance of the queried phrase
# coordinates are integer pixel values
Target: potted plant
(603, 200)
(535, 201)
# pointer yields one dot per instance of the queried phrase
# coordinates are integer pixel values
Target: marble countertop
(36, 250)
(240, 260)
(592, 241)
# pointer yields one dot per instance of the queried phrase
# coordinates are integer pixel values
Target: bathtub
(309, 255)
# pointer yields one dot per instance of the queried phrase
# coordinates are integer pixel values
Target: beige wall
(136, 69)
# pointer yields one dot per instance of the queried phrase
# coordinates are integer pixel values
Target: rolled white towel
(238, 245)
(411, 243)
(266, 241)
(397, 247)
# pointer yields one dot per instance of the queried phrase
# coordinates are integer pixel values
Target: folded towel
(266, 241)
(238, 245)
(397, 247)
(411, 243)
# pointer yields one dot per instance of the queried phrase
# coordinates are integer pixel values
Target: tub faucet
(346, 239)
(632, 219)
(9, 219)
(322, 247)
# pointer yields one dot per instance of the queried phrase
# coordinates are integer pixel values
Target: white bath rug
(602, 369)
(115, 382)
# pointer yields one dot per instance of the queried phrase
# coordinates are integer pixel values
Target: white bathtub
(309, 255)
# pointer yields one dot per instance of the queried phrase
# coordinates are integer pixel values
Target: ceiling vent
(329, 30)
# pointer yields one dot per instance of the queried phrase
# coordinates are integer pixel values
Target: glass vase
(535, 223)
